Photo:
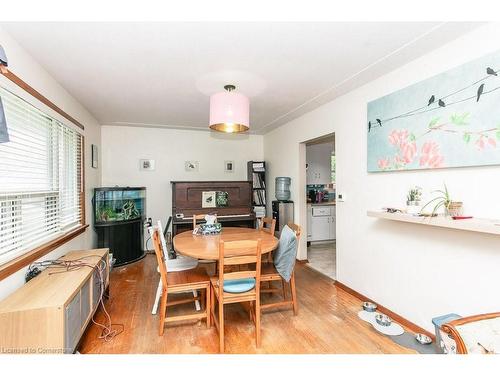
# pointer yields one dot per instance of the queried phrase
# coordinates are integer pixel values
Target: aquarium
(119, 204)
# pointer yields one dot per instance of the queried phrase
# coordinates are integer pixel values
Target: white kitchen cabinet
(318, 159)
(333, 230)
(323, 226)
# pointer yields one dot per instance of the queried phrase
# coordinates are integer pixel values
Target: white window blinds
(40, 178)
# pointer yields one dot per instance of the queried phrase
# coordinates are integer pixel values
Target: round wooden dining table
(207, 246)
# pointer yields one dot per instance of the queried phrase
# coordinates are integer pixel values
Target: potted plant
(451, 208)
(413, 200)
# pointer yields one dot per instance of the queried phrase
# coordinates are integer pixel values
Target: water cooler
(283, 213)
(282, 207)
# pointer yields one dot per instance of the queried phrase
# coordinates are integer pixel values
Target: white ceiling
(161, 74)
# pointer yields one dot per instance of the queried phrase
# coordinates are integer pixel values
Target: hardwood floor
(327, 321)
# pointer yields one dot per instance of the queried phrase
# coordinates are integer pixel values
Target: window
(41, 177)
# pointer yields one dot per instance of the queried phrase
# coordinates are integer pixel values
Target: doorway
(320, 190)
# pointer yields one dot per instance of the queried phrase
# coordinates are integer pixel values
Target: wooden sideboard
(49, 314)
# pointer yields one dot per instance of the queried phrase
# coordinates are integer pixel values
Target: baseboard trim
(396, 317)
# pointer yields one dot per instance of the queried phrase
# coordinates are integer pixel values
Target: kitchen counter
(323, 204)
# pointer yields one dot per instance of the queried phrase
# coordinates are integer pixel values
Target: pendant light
(229, 111)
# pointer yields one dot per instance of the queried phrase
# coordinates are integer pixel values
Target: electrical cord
(108, 332)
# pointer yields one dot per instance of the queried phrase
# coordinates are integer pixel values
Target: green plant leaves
(433, 122)
(467, 137)
(459, 120)
(412, 137)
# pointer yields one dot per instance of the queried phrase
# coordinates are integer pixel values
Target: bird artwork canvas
(449, 120)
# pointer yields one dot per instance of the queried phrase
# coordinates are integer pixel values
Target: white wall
(123, 147)
(418, 272)
(24, 66)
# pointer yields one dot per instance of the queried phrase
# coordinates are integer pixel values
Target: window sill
(16, 264)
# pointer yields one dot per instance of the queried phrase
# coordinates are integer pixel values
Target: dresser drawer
(321, 211)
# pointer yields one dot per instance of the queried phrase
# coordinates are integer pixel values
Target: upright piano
(187, 201)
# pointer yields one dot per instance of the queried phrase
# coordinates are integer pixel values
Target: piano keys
(187, 201)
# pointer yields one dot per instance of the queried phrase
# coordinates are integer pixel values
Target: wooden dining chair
(269, 274)
(198, 217)
(203, 261)
(268, 225)
(180, 263)
(237, 286)
(182, 281)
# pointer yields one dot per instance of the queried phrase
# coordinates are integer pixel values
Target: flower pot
(454, 209)
(413, 207)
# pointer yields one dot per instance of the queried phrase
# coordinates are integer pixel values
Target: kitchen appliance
(283, 213)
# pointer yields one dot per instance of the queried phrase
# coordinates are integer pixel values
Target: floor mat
(408, 341)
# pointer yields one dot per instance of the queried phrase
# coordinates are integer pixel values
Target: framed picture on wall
(95, 157)
(191, 165)
(229, 166)
(147, 165)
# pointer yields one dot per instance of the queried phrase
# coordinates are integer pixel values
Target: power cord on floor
(108, 332)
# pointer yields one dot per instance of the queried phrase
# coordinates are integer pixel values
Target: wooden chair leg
(163, 311)
(221, 327)
(283, 286)
(257, 323)
(251, 312)
(294, 295)
(212, 304)
(208, 304)
(157, 298)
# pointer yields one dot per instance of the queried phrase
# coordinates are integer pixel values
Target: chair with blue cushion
(282, 269)
(232, 286)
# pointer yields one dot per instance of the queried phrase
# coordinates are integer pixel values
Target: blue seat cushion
(239, 286)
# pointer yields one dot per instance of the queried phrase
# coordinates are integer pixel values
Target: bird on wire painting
(449, 120)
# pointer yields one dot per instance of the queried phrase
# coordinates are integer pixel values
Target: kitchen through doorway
(321, 205)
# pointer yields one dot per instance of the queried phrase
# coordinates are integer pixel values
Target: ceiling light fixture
(229, 111)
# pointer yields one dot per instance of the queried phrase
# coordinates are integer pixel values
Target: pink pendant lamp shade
(229, 111)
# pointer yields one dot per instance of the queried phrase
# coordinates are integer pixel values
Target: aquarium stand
(123, 239)
(119, 214)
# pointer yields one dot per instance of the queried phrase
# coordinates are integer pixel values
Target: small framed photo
(95, 157)
(208, 199)
(191, 166)
(147, 165)
(229, 166)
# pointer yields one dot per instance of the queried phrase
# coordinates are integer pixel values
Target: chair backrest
(200, 217)
(162, 264)
(267, 224)
(236, 253)
(197, 217)
(163, 242)
(296, 228)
